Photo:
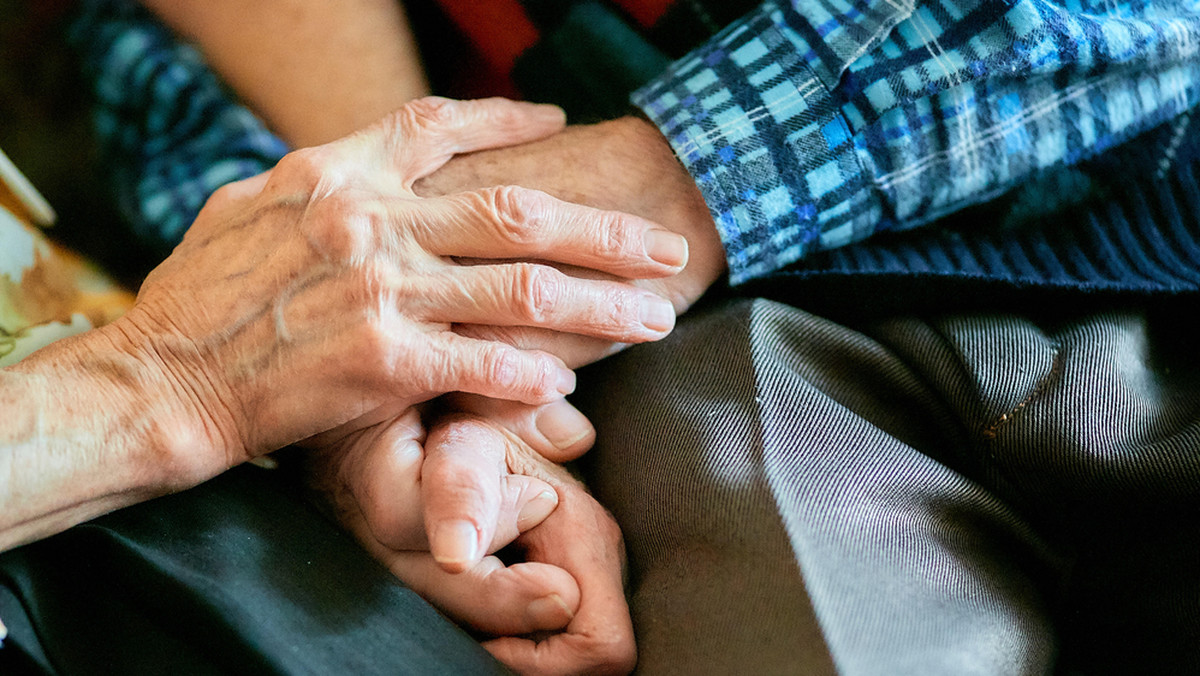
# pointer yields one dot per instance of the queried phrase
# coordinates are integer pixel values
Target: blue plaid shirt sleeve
(169, 133)
(812, 124)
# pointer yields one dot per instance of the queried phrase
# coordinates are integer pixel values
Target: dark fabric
(1125, 224)
(587, 61)
(590, 54)
(238, 576)
(961, 494)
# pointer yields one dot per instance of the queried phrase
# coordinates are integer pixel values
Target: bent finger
(581, 538)
(425, 133)
(525, 502)
(386, 485)
(461, 489)
(454, 363)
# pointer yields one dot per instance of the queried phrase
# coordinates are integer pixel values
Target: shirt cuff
(758, 129)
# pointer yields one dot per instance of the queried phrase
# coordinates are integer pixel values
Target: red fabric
(499, 29)
(645, 12)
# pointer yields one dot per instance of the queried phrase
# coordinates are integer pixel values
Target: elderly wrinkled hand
(623, 164)
(478, 485)
(322, 298)
(323, 295)
(468, 512)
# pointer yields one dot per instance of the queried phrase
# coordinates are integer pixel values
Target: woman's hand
(623, 164)
(322, 295)
(477, 485)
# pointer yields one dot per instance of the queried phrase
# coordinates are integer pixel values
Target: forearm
(314, 70)
(88, 428)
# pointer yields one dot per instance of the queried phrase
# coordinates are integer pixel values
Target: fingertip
(666, 247)
(657, 314)
(547, 114)
(455, 545)
(537, 509)
(567, 431)
(565, 380)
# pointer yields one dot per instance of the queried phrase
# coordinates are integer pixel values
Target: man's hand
(374, 482)
(482, 480)
(624, 165)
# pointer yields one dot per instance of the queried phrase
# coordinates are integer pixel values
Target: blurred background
(44, 129)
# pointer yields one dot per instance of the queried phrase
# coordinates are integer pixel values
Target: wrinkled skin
(622, 165)
(330, 271)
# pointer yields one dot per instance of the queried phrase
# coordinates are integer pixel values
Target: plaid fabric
(812, 124)
(808, 125)
(170, 134)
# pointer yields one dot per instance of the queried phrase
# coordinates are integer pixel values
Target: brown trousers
(963, 495)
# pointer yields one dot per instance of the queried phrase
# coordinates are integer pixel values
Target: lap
(907, 496)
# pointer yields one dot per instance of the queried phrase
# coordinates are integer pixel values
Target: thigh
(783, 487)
(1089, 426)
(237, 576)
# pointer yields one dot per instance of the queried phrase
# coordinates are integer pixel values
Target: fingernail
(455, 542)
(549, 612)
(536, 510)
(546, 110)
(562, 425)
(657, 314)
(666, 247)
(566, 381)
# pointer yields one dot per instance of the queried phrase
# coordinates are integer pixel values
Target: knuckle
(430, 112)
(520, 213)
(299, 170)
(343, 228)
(223, 196)
(538, 290)
(502, 367)
(617, 234)
(617, 309)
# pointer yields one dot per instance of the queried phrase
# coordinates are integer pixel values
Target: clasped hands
(324, 302)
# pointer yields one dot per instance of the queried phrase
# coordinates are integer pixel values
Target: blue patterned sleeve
(812, 124)
(169, 134)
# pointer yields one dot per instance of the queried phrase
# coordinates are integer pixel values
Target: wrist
(677, 203)
(189, 434)
(89, 428)
(111, 386)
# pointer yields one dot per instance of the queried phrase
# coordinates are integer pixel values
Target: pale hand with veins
(319, 299)
(623, 165)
